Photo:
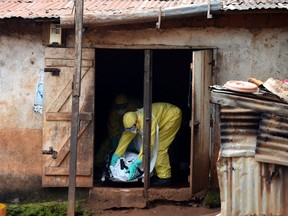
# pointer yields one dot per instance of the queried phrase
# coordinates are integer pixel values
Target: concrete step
(110, 197)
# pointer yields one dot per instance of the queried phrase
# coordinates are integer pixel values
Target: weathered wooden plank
(67, 53)
(65, 116)
(64, 171)
(216, 143)
(57, 126)
(65, 148)
(66, 63)
(202, 77)
(63, 181)
(67, 21)
(92, 20)
(64, 95)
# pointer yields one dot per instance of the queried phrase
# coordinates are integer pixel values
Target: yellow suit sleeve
(153, 134)
(124, 142)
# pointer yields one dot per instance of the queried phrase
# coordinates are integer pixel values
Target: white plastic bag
(118, 172)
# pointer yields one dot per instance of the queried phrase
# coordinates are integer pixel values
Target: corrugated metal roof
(55, 8)
(31, 9)
(254, 4)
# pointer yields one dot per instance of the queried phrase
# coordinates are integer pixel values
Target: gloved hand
(114, 159)
(132, 169)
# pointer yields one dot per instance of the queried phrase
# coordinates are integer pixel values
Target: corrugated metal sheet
(34, 9)
(55, 8)
(31, 9)
(238, 132)
(272, 141)
(258, 102)
(248, 5)
(249, 188)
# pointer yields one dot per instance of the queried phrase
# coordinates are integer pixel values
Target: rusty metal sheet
(238, 132)
(256, 103)
(248, 187)
(272, 141)
(246, 5)
(55, 8)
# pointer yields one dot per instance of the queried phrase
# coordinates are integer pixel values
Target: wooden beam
(64, 171)
(127, 17)
(76, 92)
(66, 116)
(147, 117)
(90, 20)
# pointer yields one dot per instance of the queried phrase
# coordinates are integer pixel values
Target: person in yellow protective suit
(115, 126)
(121, 104)
(167, 119)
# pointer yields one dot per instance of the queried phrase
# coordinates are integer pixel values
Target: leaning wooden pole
(147, 117)
(75, 123)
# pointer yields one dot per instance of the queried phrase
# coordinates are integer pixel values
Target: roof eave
(94, 20)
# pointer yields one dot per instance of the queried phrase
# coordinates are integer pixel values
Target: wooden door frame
(201, 66)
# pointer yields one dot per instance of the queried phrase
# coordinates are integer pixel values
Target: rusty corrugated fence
(252, 165)
(238, 132)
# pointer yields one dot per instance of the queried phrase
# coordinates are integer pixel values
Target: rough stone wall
(21, 58)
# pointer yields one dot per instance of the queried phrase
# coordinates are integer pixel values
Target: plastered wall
(21, 58)
(241, 53)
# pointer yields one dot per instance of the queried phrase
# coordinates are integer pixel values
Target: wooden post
(75, 106)
(147, 115)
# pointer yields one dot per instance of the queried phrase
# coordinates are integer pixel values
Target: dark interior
(122, 71)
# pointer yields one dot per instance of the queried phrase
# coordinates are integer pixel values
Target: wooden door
(57, 118)
(200, 123)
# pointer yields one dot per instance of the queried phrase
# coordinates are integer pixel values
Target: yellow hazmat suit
(115, 127)
(168, 117)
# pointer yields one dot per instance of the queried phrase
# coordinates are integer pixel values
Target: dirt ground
(162, 210)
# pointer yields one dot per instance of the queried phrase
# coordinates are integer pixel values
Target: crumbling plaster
(21, 59)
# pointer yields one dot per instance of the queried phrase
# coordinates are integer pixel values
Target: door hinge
(54, 71)
(51, 152)
(212, 63)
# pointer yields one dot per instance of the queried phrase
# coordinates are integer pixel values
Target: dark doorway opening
(122, 70)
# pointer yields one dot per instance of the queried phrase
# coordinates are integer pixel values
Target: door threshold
(123, 197)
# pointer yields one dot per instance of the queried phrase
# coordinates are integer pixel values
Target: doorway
(122, 71)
